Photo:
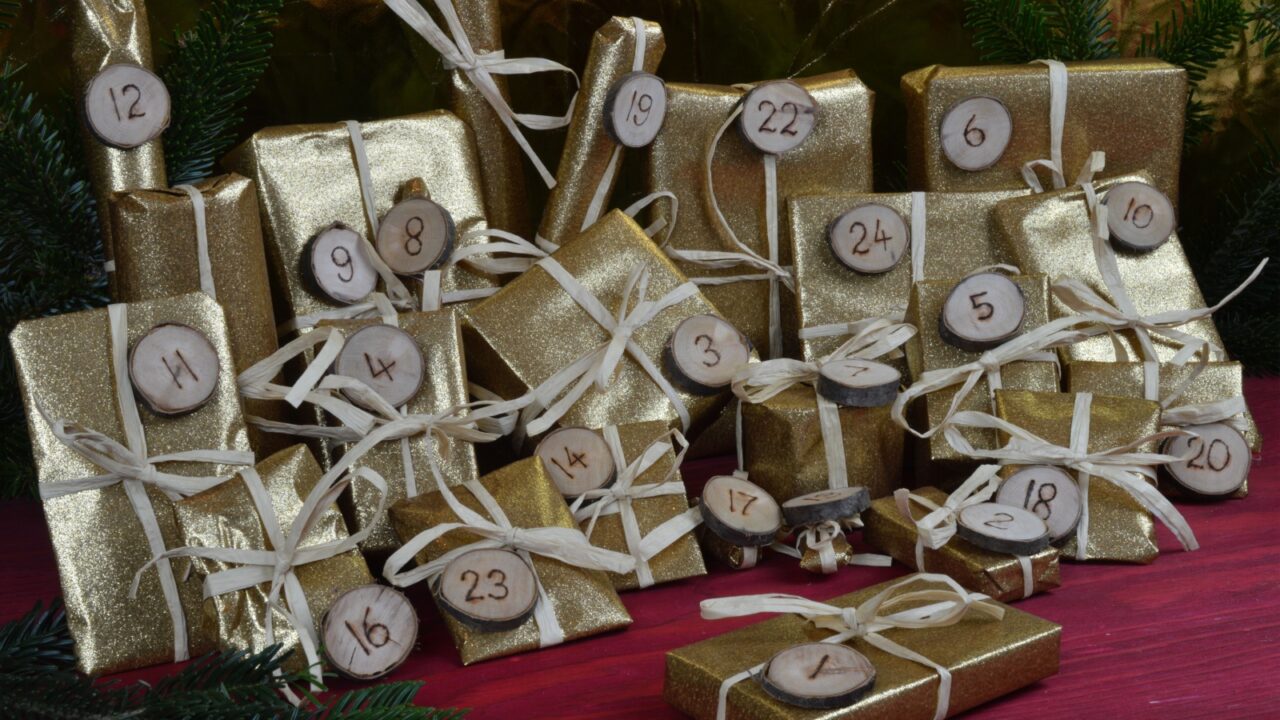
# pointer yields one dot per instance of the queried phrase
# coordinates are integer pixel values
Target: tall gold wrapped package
(92, 441)
(835, 158)
(1130, 108)
(989, 650)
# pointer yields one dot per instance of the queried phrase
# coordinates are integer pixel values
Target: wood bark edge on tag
(1013, 517)
(675, 359)
(818, 656)
(832, 504)
(1205, 461)
(387, 619)
(1010, 296)
(740, 495)
(513, 580)
(363, 274)
(200, 364)
(658, 106)
(868, 384)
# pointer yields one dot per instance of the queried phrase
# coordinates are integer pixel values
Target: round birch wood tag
(385, 358)
(415, 235)
(833, 504)
(975, 132)
(818, 676)
(1217, 460)
(870, 238)
(489, 590)
(778, 116)
(1049, 493)
(854, 382)
(578, 460)
(126, 105)
(369, 631)
(704, 352)
(336, 265)
(1003, 529)
(174, 369)
(635, 108)
(1140, 217)
(739, 511)
(983, 311)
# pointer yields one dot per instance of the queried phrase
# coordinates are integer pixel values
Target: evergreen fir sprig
(1266, 29)
(8, 11)
(1019, 31)
(37, 642)
(1083, 30)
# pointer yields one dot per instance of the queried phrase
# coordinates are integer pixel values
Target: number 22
(789, 128)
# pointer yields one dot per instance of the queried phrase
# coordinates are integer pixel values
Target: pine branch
(1266, 29)
(1083, 29)
(8, 11)
(1197, 36)
(1009, 31)
(37, 642)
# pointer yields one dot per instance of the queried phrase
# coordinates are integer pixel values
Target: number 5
(979, 306)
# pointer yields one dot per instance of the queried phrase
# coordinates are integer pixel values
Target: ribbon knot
(470, 60)
(849, 617)
(511, 537)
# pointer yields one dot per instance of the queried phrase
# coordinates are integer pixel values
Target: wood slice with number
(833, 504)
(635, 108)
(369, 631)
(983, 311)
(818, 676)
(1217, 460)
(335, 265)
(126, 105)
(739, 511)
(975, 132)
(1140, 217)
(869, 238)
(777, 116)
(703, 354)
(1048, 492)
(415, 235)
(490, 590)
(854, 382)
(174, 369)
(385, 358)
(1003, 529)
(578, 460)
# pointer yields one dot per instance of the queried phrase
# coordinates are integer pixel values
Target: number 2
(979, 306)
(999, 521)
(1208, 456)
(133, 108)
(789, 128)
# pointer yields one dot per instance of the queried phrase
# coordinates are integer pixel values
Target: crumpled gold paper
(65, 366)
(998, 575)
(835, 158)
(720, 437)
(725, 552)
(226, 516)
(1120, 529)
(1131, 108)
(584, 601)
(811, 559)
(987, 658)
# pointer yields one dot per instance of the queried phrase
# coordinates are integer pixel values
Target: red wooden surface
(1192, 635)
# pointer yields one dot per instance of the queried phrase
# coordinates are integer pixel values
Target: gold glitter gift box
(67, 367)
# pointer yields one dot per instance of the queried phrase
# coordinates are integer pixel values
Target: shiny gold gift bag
(517, 508)
(1132, 109)
(95, 451)
(987, 648)
(835, 158)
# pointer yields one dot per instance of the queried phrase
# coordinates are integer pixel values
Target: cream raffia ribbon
(938, 526)
(457, 53)
(132, 468)
(1057, 124)
(866, 621)
(1124, 466)
(820, 538)
(202, 239)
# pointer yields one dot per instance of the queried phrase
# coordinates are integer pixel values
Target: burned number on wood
(578, 460)
(368, 631)
(778, 116)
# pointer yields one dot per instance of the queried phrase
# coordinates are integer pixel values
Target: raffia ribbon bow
(820, 538)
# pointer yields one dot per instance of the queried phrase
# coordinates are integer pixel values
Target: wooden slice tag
(870, 238)
(1003, 529)
(489, 590)
(975, 132)
(854, 382)
(337, 267)
(369, 631)
(832, 504)
(385, 358)
(739, 511)
(126, 105)
(1049, 493)
(818, 676)
(174, 369)
(415, 235)
(1140, 217)
(635, 108)
(982, 312)
(1217, 460)
(778, 116)
(704, 352)
(578, 460)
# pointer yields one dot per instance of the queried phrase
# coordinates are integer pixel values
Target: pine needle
(1009, 31)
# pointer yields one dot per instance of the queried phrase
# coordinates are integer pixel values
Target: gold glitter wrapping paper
(588, 147)
(154, 234)
(937, 463)
(783, 449)
(226, 516)
(64, 365)
(835, 158)
(584, 601)
(720, 437)
(811, 560)
(958, 239)
(307, 180)
(996, 574)
(1132, 109)
(532, 329)
(1120, 529)
(723, 551)
(987, 658)
(106, 32)
(1050, 234)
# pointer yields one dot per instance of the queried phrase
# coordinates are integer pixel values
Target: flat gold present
(936, 650)
(108, 469)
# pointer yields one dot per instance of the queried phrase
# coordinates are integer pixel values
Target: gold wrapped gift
(726, 553)
(1132, 109)
(96, 479)
(988, 649)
